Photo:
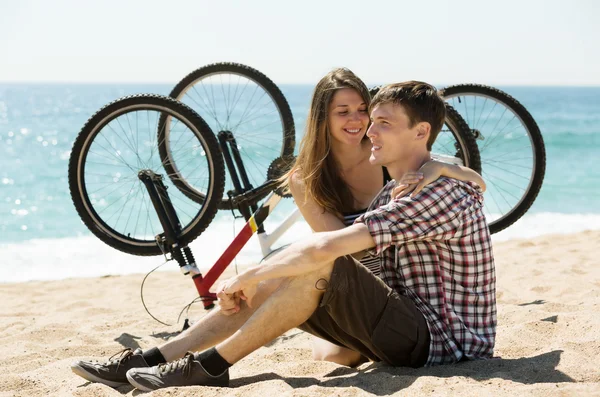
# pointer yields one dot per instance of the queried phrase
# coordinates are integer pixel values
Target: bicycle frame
(203, 283)
(266, 240)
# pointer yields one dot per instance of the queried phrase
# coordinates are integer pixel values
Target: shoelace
(185, 364)
(123, 355)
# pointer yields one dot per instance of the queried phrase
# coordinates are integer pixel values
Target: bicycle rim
(113, 147)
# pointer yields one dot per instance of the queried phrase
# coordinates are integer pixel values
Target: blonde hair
(317, 168)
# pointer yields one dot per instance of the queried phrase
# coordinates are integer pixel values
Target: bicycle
(170, 136)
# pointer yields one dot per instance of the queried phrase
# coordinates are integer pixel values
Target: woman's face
(348, 117)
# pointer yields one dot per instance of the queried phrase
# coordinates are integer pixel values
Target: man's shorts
(360, 312)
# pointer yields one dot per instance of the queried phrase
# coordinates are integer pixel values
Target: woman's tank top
(370, 262)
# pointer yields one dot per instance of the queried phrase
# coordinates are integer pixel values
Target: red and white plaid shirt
(436, 250)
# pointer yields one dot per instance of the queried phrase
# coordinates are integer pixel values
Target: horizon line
(56, 82)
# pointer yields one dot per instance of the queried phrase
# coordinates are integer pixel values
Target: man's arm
(307, 255)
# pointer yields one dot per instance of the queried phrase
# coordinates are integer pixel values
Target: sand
(548, 337)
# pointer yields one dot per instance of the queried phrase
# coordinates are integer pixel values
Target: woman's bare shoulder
(296, 183)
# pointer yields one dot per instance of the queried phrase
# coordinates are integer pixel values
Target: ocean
(42, 236)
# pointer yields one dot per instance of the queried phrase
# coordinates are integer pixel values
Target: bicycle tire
(196, 99)
(464, 146)
(531, 130)
(465, 139)
(83, 155)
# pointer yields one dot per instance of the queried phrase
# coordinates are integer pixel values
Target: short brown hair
(421, 101)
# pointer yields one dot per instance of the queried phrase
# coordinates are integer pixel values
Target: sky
(508, 42)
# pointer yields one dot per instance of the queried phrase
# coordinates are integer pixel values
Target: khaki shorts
(360, 312)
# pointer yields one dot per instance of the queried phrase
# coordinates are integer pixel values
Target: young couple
(430, 296)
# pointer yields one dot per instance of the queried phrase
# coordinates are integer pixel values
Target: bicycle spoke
(494, 137)
(120, 149)
(510, 172)
(506, 148)
(235, 102)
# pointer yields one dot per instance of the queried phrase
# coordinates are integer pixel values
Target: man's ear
(423, 129)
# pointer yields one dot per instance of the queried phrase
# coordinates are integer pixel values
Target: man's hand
(228, 303)
(238, 289)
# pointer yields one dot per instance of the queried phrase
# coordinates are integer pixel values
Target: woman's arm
(317, 218)
(413, 182)
(461, 173)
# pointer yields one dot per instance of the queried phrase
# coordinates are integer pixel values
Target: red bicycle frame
(203, 283)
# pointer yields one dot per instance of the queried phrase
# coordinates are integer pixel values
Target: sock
(212, 362)
(153, 357)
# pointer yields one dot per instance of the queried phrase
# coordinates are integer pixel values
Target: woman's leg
(327, 351)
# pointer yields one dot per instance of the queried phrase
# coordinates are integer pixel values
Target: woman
(332, 181)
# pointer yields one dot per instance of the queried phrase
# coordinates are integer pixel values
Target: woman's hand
(412, 182)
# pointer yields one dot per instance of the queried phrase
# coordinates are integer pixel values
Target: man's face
(391, 135)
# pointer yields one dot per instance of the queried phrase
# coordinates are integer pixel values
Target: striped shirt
(436, 250)
(371, 262)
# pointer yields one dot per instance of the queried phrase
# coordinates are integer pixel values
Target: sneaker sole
(137, 385)
(92, 378)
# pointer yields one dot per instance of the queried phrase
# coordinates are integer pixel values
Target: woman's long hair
(315, 164)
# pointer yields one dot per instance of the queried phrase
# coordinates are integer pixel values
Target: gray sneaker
(184, 372)
(111, 373)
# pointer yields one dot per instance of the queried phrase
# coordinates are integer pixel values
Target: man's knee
(317, 280)
(269, 286)
(266, 289)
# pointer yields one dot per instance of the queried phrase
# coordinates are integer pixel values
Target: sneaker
(111, 373)
(184, 372)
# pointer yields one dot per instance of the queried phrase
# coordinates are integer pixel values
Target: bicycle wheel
(117, 143)
(512, 150)
(455, 143)
(238, 99)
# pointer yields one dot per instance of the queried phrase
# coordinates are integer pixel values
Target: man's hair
(421, 101)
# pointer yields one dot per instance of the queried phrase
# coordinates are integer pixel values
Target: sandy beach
(548, 337)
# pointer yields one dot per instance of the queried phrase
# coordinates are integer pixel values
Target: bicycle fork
(183, 254)
(237, 171)
(172, 228)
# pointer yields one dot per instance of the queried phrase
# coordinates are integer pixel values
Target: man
(434, 304)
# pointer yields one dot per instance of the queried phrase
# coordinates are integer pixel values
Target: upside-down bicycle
(147, 172)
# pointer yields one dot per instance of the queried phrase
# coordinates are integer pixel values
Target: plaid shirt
(436, 250)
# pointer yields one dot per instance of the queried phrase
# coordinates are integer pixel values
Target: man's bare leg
(215, 326)
(211, 329)
(291, 304)
(287, 307)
